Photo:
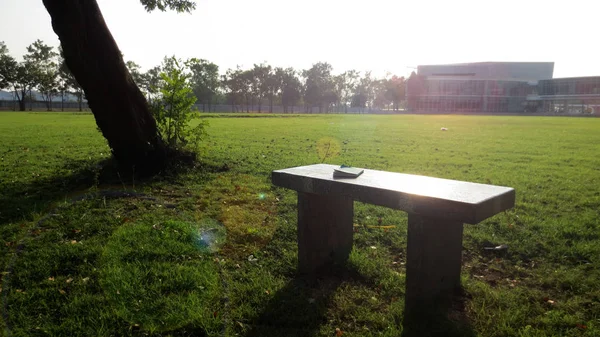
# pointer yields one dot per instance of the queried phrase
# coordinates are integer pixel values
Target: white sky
(378, 35)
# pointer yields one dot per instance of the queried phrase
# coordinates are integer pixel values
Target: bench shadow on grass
(448, 319)
(298, 309)
(292, 312)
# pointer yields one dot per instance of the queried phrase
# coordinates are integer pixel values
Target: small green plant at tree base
(174, 107)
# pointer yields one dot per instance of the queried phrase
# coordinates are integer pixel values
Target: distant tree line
(42, 69)
(260, 88)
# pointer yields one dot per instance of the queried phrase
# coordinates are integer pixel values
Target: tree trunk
(49, 103)
(21, 100)
(121, 110)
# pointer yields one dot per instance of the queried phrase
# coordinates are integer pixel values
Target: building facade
(500, 87)
(570, 95)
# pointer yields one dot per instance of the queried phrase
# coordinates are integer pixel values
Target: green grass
(212, 250)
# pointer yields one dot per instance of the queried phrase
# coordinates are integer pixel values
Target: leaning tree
(119, 107)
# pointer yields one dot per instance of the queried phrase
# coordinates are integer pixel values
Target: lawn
(211, 250)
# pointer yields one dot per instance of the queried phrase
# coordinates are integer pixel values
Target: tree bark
(21, 100)
(119, 107)
(48, 102)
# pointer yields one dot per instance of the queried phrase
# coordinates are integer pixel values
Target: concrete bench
(437, 209)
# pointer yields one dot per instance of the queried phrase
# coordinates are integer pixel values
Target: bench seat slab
(434, 197)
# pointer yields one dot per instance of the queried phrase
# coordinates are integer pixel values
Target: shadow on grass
(447, 319)
(71, 182)
(298, 309)
(301, 308)
(20, 201)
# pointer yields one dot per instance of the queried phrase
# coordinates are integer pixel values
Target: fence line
(41, 105)
(70, 106)
(280, 109)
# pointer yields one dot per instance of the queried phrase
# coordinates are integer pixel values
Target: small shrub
(174, 109)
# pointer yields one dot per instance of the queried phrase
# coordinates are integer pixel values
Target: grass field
(212, 250)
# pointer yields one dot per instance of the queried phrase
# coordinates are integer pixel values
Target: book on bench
(347, 172)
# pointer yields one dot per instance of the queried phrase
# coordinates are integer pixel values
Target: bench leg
(324, 231)
(433, 260)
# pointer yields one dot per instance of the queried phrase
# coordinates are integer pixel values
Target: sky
(378, 35)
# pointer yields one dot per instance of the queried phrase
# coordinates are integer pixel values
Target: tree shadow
(19, 202)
